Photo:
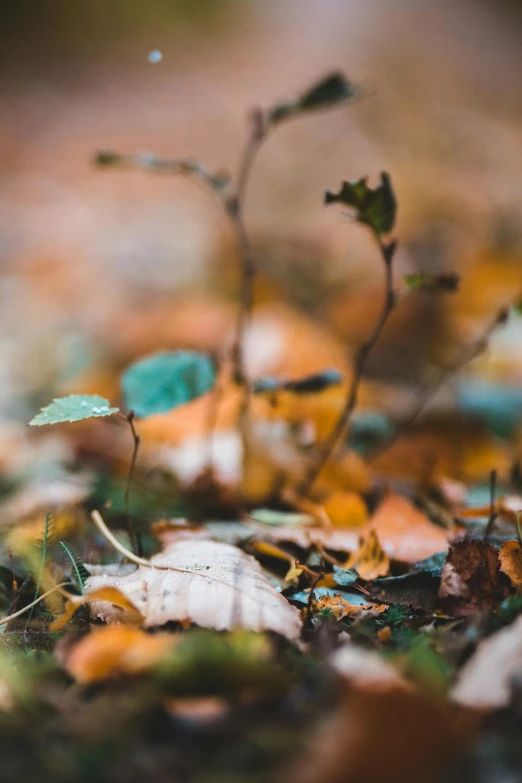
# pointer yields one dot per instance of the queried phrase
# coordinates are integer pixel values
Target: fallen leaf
(510, 557)
(338, 606)
(210, 584)
(404, 532)
(370, 560)
(346, 509)
(471, 578)
(486, 679)
(111, 651)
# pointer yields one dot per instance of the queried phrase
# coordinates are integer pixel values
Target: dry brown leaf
(405, 532)
(370, 560)
(485, 681)
(510, 557)
(471, 578)
(340, 606)
(210, 584)
(110, 651)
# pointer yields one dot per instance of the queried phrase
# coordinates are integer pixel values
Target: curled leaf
(376, 207)
(332, 90)
(106, 593)
(370, 561)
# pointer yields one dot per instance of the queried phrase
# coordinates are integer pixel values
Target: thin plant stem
(341, 426)
(492, 509)
(235, 205)
(135, 536)
(56, 588)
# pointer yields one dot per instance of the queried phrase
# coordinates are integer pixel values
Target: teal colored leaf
(164, 381)
(376, 207)
(75, 407)
(345, 577)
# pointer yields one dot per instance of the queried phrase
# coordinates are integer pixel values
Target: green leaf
(159, 383)
(376, 207)
(75, 407)
(518, 307)
(445, 282)
(332, 90)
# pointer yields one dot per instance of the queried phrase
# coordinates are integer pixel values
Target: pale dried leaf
(210, 584)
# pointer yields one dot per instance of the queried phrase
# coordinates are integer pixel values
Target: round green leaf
(159, 383)
(75, 407)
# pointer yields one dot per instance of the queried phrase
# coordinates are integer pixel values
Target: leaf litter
(328, 609)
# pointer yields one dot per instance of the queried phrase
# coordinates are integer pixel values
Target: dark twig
(135, 536)
(467, 355)
(492, 506)
(390, 299)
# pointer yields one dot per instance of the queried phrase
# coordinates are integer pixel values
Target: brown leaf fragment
(486, 680)
(510, 557)
(471, 579)
(370, 561)
(208, 583)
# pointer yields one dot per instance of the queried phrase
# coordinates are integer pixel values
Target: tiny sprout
(155, 56)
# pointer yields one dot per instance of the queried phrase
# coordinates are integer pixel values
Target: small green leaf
(332, 89)
(161, 382)
(445, 282)
(75, 407)
(376, 207)
(518, 307)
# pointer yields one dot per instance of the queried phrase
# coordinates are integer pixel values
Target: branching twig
(467, 355)
(387, 252)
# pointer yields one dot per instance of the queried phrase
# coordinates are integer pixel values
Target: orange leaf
(510, 557)
(346, 509)
(115, 650)
(405, 532)
(371, 561)
(110, 594)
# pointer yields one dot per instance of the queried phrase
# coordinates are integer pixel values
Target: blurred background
(99, 267)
